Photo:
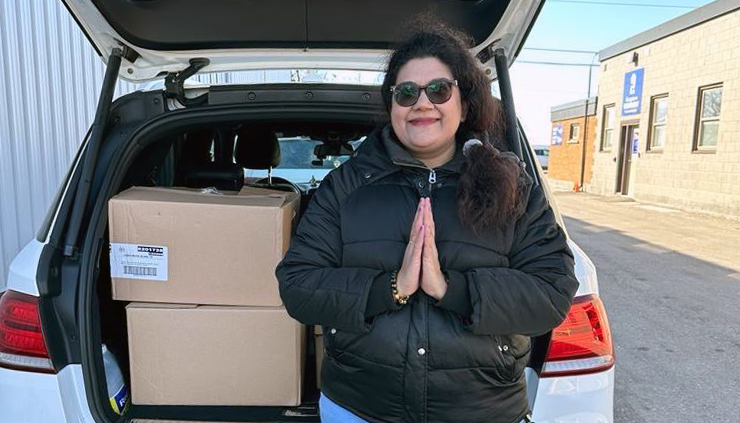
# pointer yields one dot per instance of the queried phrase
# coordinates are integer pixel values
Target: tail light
(22, 344)
(582, 344)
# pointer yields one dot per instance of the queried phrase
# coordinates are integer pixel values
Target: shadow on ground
(675, 325)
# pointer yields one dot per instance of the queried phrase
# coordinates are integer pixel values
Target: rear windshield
(299, 164)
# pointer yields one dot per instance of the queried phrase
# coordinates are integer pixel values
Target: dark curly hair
(489, 191)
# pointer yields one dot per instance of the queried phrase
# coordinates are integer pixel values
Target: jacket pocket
(337, 341)
(329, 341)
(514, 350)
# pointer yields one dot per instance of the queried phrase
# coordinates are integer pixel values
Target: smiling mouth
(422, 122)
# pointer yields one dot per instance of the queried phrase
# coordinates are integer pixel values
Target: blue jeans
(331, 412)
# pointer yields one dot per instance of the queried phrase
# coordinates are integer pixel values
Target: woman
(427, 267)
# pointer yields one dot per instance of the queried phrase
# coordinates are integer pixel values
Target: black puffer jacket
(457, 360)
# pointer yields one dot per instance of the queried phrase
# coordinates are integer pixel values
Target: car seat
(257, 147)
(200, 169)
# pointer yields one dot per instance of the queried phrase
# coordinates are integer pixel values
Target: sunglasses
(438, 91)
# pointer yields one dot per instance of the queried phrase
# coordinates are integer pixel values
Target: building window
(658, 119)
(707, 117)
(607, 128)
(575, 130)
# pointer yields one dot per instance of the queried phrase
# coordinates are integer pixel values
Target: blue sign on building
(636, 141)
(557, 135)
(632, 93)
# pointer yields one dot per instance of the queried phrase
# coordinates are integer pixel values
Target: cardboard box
(214, 355)
(183, 246)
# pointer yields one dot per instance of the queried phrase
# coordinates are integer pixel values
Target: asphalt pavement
(670, 281)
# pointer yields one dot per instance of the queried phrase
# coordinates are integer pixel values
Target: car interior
(215, 159)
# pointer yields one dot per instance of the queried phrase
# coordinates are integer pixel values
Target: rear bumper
(575, 399)
(27, 397)
(42, 398)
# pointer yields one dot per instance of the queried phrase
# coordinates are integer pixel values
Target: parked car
(543, 155)
(57, 311)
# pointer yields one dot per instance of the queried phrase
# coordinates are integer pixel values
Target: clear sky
(588, 25)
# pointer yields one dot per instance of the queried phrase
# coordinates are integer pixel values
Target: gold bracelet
(397, 297)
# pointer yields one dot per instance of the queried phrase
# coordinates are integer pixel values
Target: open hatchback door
(162, 36)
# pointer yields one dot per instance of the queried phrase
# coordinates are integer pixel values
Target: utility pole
(590, 66)
(585, 123)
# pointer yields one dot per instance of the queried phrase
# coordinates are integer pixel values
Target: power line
(606, 3)
(559, 50)
(534, 62)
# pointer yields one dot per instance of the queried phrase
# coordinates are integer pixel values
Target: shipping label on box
(134, 261)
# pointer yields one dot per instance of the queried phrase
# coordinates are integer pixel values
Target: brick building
(669, 113)
(571, 144)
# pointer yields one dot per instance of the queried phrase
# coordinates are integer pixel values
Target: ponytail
(490, 187)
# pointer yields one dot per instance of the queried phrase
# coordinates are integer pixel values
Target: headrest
(257, 148)
(197, 147)
(224, 176)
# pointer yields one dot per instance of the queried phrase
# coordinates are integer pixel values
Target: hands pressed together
(420, 268)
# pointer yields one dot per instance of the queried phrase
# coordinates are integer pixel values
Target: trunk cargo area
(189, 306)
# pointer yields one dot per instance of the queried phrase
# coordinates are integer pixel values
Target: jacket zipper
(432, 173)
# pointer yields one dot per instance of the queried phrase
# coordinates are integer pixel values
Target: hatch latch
(174, 83)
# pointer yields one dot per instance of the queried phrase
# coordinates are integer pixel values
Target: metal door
(628, 145)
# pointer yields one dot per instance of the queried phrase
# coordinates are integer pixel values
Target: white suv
(57, 311)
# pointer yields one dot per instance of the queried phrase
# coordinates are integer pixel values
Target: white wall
(50, 78)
